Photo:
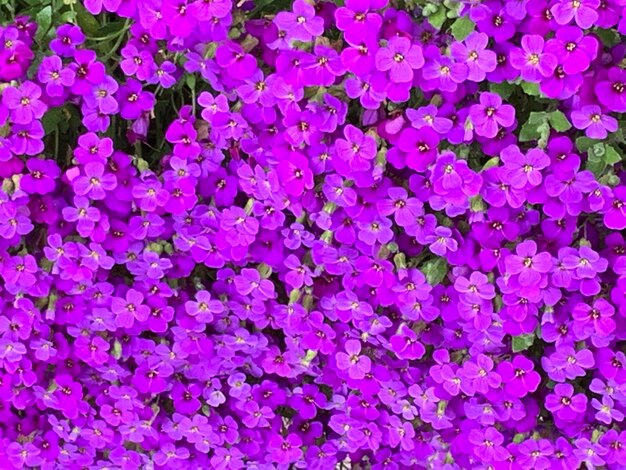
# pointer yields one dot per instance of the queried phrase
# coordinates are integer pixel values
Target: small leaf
(190, 81)
(51, 119)
(535, 128)
(611, 157)
(504, 89)
(110, 29)
(559, 122)
(584, 143)
(608, 36)
(435, 270)
(523, 342)
(86, 20)
(44, 21)
(438, 18)
(531, 89)
(462, 28)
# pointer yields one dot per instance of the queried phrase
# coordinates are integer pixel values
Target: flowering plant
(373, 234)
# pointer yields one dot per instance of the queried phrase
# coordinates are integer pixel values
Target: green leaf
(438, 18)
(190, 81)
(608, 36)
(531, 89)
(51, 119)
(435, 270)
(595, 166)
(462, 28)
(86, 20)
(584, 143)
(110, 29)
(523, 342)
(559, 122)
(599, 156)
(535, 128)
(611, 157)
(504, 89)
(44, 21)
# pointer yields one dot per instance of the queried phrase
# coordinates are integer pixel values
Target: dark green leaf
(44, 21)
(86, 20)
(504, 89)
(583, 143)
(608, 36)
(51, 119)
(110, 29)
(462, 27)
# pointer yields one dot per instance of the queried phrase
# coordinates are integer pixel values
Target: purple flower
(474, 53)
(285, 450)
(564, 404)
(302, 24)
(129, 308)
(595, 123)
(42, 176)
(524, 170)
(584, 12)
(612, 92)
(529, 265)
(490, 114)
(94, 182)
(400, 58)
(355, 365)
(56, 77)
(532, 60)
(24, 103)
(518, 376)
(101, 96)
(441, 241)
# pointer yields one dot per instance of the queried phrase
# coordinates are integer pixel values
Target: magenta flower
(518, 376)
(42, 177)
(564, 404)
(574, 50)
(302, 24)
(490, 114)
(24, 103)
(357, 20)
(355, 365)
(612, 92)
(593, 121)
(400, 58)
(474, 53)
(584, 12)
(528, 264)
(94, 182)
(532, 60)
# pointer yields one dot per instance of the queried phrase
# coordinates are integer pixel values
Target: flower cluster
(372, 234)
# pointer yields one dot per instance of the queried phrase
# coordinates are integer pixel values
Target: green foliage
(504, 89)
(523, 342)
(462, 28)
(44, 23)
(537, 127)
(435, 270)
(600, 156)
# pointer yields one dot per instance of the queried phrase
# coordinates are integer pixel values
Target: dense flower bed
(375, 234)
